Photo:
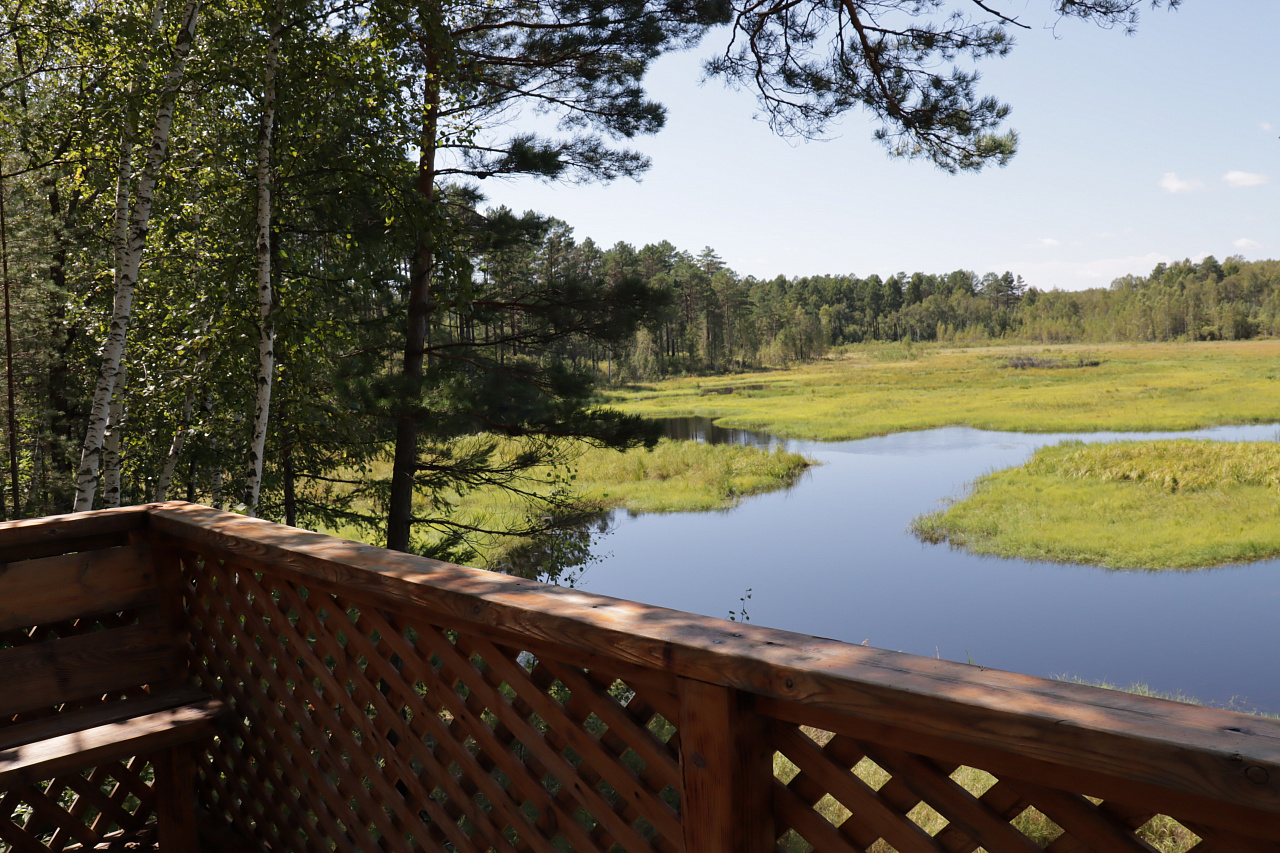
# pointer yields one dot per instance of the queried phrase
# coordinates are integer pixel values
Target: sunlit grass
(1127, 505)
(877, 390)
(684, 476)
(675, 476)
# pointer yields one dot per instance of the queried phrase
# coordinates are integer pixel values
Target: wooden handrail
(735, 692)
(1220, 757)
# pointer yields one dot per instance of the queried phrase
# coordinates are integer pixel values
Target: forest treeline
(712, 320)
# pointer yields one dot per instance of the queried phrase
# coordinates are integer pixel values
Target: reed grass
(675, 476)
(1178, 504)
(876, 390)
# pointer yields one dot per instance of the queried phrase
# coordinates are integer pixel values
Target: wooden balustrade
(388, 702)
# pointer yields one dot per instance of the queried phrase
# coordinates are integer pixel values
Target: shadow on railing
(387, 702)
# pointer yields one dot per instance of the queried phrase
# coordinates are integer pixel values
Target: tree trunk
(175, 449)
(266, 297)
(111, 442)
(126, 273)
(405, 463)
(8, 351)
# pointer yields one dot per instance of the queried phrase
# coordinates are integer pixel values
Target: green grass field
(876, 390)
(1177, 504)
(1151, 505)
(675, 476)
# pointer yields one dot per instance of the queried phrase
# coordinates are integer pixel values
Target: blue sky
(1134, 150)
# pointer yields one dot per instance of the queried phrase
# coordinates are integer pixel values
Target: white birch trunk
(126, 274)
(111, 443)
(266, 298)
(175, 449)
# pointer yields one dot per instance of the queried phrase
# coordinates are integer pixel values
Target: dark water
(832, 557)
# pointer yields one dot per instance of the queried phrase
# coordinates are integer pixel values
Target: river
(832, 557)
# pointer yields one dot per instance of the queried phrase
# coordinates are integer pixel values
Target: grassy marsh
(675, 476)
(1179, 504)
(875, 390)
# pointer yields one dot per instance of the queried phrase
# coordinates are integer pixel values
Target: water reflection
(560, 555)
(834, 557)
(704, 431)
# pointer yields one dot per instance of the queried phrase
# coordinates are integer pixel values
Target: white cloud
(1245, 179)
(1174, 184)
(1077, 275)
(1246, 243)
(1047, 243)
(1266, 125)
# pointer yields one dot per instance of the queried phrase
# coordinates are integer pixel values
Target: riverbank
(1177, 504)
(879, 390)
(675, 476)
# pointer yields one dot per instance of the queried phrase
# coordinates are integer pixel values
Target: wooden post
(176, 799)
(726, 759)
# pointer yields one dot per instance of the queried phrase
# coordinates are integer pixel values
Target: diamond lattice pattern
(837, 793)
(361, 728)
(81, 810)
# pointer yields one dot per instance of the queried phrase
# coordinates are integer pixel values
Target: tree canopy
(251, 263)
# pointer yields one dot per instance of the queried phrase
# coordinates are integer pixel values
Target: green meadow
(879, 389)
(675, 476)
(1177, 504)
(1135, 505)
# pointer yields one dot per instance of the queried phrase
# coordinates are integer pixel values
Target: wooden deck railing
(387, 702)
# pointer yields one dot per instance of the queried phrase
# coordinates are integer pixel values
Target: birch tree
(262, 248)
(128, 260)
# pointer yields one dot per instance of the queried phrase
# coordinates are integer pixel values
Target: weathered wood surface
(54, 589)
(727, 765)
(175, 768)
(27, 763)
(1049, 730)
(58, 534)
(98, 715)
(42, 675)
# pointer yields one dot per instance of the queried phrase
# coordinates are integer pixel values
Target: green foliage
(1147, 505)
(581, 481)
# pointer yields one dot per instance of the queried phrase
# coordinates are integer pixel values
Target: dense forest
(712, 320)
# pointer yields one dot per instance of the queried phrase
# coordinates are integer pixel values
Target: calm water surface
(832, 557)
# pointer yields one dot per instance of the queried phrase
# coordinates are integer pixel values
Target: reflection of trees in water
(703, 430)
(562, 554)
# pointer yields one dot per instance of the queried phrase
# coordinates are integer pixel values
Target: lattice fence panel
(360, 729)
(105, 808)
(107, 805)
(837, 793)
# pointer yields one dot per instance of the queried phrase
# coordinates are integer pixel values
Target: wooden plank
(99, 715)
(31, 763)
(1085, 822)
(961, 809)
(1223, 839)
(46, 674)
(726, 759)
(59, 530)
(1013, 763)
(176, 799)
(52, 589)
(869, 810)
(1208, 755)
(70, 545)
